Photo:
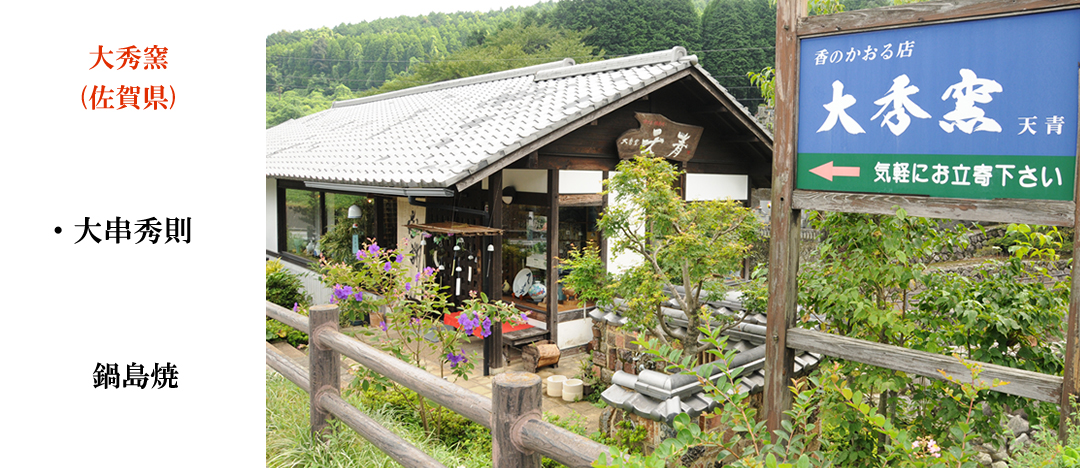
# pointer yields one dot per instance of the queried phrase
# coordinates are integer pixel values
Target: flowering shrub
(410, 306)
(925, 447)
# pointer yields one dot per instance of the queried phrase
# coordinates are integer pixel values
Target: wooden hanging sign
(662, 137)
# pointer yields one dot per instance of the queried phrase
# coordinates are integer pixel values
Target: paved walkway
(478, 383)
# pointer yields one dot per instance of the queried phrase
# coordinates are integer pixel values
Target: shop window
(310, 214)
(303, 223)
(525, 252)
(577, 228)
(524, 248)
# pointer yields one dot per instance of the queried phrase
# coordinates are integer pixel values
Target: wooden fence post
(323, 364)
(515, 399)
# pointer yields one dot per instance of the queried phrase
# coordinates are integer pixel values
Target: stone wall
(612, 349)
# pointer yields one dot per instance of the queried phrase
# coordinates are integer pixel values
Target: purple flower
(416, 321)
(524, 317)
(360, 254)
(486, 331)
(359, 296)
(295, 306)
(399, 258)
(428, 271)
(373, 248)
(342, 292)
(382, 325)
(427, 236)
(417, 277)
(408, 286)
(386, 267)
(456, 359)
(467, 323)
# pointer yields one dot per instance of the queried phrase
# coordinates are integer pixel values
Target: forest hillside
(307, 70)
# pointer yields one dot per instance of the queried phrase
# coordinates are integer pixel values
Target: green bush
(450, 429)
(284, 288)
(1047, 451)
(1058, 240)
(276, 330)
(289, 442)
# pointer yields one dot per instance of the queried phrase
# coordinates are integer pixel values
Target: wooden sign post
(927, 107)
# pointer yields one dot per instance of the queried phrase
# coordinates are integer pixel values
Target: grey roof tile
(435, 135)
(652, 394)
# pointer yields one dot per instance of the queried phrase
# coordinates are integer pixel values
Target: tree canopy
(738, 36)
(685, 249)
(512, 47)
(626, 27)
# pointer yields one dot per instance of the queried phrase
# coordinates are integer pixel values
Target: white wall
(535, 181)
(619, 262)
(700, 187)
(271, 214)
(575, 333)
(526, 180)
(572, 182)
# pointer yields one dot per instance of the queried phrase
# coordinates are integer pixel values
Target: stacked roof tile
(660, 397)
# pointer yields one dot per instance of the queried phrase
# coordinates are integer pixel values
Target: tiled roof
(660, 397)
(438, 134)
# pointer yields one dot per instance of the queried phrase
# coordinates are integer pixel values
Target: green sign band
(984, 177)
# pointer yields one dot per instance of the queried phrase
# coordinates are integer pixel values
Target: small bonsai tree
(685, 251)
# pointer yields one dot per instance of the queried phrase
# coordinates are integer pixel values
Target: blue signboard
(979, 109)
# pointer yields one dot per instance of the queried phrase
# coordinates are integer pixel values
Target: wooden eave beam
(742, 117)
(922, 13)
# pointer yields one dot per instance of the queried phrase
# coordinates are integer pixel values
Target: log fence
(519, 434)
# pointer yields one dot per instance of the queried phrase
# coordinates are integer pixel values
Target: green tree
(1009, 313)
(339, 54)
(626, 27)
(873, 281)
(738, 36)
(861, 286)
(516, 46)
(686, 249)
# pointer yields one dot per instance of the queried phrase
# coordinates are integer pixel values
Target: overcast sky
(292, 16)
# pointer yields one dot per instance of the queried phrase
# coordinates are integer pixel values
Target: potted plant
(589, 381)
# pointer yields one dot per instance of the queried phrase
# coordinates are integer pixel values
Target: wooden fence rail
(1022, 383)
(391, 444)
(519, 434)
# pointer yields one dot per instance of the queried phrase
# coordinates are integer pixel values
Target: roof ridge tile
(675, 55)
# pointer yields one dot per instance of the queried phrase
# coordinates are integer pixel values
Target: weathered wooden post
(553, 256)
(323, 369)
(784, 223)
(1070, 385)
(515, 399)
(493, 345)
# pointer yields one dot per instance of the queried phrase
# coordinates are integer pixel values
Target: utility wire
(409, 61)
